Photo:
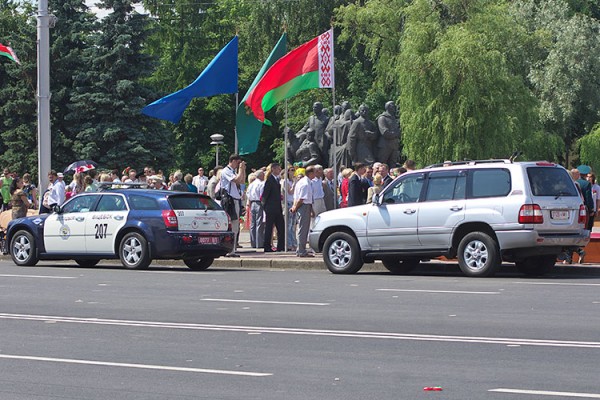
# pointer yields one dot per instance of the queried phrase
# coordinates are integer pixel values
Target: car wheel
(23, 249)
(85, 263)
(341, 254)
(133, 251)
(400, 267)
(199, 264)
(536, 266)
(478, 255)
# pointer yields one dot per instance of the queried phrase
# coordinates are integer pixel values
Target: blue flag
(219, 77)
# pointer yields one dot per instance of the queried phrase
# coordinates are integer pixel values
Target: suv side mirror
(57, 209)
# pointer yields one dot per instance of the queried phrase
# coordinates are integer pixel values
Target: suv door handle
(118, 217)
(409, 211)
(456, 208)
(79, 219)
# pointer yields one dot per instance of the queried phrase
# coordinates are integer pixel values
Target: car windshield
(187, 202)
(551, 181)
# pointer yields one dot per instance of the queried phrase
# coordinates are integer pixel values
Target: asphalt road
(171, 333)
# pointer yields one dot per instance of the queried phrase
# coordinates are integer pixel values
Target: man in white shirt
(232, 176)
(200, 181)
(53, 192)
(254, 206)
(61, 189)
(318, 205)
(303, 200)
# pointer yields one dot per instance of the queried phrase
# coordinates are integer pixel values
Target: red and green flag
(309, 66)
(6, 51)
(247, 127)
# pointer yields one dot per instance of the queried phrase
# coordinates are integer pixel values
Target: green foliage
(18, 128)
(461, 97)
(589, 146)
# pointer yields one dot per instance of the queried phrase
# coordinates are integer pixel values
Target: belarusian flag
(309, 66)
(6, 51)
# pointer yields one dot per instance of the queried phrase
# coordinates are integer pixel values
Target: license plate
(559, 214)
(208, 240)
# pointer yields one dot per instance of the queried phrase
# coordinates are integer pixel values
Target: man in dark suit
(357, 189)
(385, 173)
(271, 200)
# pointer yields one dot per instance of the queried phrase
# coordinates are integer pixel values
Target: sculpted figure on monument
(318, 123)
(293, 143)
(388, 145)
(341, 128)
(308, 153)
(362, 138)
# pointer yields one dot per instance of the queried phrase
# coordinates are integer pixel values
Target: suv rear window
(193, 203)
(550, 181)
(490, 182)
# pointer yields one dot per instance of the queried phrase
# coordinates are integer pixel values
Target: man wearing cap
(53, 192)
(579, 175)
(303, 199)
(62, 188)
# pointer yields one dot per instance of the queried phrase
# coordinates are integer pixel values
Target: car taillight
(582, 215)
(170, 219)
(530, 214)
(229, 226)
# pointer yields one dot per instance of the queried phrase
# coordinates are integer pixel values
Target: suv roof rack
(469, 162)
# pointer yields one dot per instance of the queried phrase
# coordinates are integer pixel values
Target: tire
(23, 249)
(536, 266)
(341, 254)
(87, 263)
(133, 251)
(478, 255)
(199, 264)
(400, 267)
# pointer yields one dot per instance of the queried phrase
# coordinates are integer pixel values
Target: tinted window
(407, 190)
(137, 202)
(545, 181)
(192, 203)
(490, 183)
(111, 203)
(446, 185)
(79, 204)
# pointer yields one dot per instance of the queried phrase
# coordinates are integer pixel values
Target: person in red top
(344, 187)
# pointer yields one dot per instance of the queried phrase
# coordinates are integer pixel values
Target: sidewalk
(256, 258)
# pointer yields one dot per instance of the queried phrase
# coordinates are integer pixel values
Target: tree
(565, 79)
(69, 40)
(111, 95)
(18, 128)
(463, 88)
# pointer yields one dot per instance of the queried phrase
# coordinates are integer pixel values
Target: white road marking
(38, 276)
(547, 393)
(558, 283)
(129, 365)
(293, 303)
(436, 291)
(307, 332)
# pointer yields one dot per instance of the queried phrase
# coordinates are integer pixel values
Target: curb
(290, 262)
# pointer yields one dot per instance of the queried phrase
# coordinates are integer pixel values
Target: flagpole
(335, 168)
(285, 182)
(334, 150)
(235, 125)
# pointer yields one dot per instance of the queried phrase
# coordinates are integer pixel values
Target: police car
(134, 225)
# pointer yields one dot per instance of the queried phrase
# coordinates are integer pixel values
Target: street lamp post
(217, 139)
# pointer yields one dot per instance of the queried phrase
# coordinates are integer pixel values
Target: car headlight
(317, 219)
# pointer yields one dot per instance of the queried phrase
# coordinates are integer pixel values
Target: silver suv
(482, 212)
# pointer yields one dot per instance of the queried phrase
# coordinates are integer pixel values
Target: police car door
(104, 223)
(64, 232)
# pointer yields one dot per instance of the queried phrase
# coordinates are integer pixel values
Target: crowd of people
(266, 196)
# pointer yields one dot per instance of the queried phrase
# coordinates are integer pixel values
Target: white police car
(134, 225)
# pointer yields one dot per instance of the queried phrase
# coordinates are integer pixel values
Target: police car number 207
(133, 225)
